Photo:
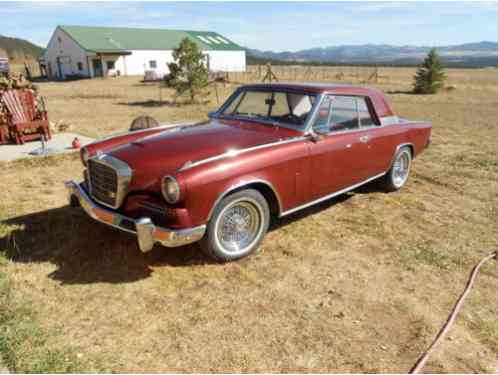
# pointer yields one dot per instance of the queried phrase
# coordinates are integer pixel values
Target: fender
(243, 182)
(412, 148)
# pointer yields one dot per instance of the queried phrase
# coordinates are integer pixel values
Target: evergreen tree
(430, 76)
(188, 73)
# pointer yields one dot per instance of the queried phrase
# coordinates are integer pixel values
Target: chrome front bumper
(147, 233)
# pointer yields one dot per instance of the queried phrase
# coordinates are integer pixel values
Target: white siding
(227, 61)
(64, 51)
(63, 55)
(139, 61)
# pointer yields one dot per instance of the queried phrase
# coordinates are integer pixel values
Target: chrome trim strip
(389, 120)
(147, 232)
(288, 212)
(314, 113)
(123, 172)
(242, 184)
(232, 153)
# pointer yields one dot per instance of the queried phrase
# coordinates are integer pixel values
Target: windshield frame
(240, 91)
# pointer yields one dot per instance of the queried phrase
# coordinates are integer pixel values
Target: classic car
(268, 151)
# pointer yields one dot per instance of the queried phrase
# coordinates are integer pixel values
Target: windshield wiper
(254, 117)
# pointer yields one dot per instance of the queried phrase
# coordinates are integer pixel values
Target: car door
(378, 142)
(370, 140)
(337, 160)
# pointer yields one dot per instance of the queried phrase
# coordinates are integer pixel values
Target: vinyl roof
(109, 39)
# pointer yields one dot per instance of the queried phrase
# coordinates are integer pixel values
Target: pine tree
(188, 73)
(430, 76)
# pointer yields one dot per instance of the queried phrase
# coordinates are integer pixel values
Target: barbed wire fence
(302, 73)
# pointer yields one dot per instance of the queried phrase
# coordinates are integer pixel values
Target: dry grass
(358, 284)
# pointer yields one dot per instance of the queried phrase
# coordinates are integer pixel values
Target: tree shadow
(153, 103)
(85, 251)
(404, 92)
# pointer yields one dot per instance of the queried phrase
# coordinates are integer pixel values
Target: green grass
(430, 257)
(486, 331)
(24, 346)
(487, 163)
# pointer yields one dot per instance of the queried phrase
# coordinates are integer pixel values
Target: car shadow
(85, 251)
(372, 187)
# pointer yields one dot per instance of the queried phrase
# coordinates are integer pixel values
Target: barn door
(97, 68)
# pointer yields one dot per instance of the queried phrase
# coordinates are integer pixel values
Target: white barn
(101, 51)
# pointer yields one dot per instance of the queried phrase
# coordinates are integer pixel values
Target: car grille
(103, 182)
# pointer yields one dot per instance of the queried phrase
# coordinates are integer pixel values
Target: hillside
(471, 54)
(19, 49)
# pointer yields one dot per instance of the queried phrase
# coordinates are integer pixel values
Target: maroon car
(269, 151)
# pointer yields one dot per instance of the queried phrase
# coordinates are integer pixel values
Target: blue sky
(277, 26)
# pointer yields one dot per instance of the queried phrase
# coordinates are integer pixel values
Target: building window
(80, 66)
(153, 64)
(110, 65)
(59, 39)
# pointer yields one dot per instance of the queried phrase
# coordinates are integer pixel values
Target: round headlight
(84, 155)
(170, 189)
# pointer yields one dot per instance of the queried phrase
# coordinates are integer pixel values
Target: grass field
(361, 283)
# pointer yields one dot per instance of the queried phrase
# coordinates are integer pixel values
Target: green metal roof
(109, 39)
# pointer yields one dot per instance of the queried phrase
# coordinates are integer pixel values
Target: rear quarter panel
(387, 138)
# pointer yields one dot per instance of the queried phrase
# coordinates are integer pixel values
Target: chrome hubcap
(238, 226)
(401, 168)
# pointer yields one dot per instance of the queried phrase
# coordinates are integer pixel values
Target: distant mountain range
(478, 54)
(483, 53)
(19, 49)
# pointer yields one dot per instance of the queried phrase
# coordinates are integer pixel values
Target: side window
(153, 64)
(321, 124)
(110, 65)
(364, 113)
(344, 115)
(80, 66)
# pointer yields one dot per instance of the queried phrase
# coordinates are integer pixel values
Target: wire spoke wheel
(239, 226)
(401, 168)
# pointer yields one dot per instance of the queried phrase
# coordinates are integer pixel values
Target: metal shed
(101, 51)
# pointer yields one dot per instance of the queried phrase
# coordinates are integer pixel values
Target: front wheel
(396, 178)
(237, 226)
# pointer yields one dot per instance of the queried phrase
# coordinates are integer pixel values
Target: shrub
(430, 76)
(188, 73)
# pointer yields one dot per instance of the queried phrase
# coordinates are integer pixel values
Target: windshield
(289, 109)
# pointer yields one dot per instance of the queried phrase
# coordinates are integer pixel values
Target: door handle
(364, 138)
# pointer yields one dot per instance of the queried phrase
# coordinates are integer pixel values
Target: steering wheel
(292, 118)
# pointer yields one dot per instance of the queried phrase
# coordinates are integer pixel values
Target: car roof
(313, 87)
(382, 108)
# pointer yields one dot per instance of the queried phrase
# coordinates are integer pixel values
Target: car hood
(155, 156)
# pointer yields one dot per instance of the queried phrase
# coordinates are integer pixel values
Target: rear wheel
(397, 176)
(237, 226)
